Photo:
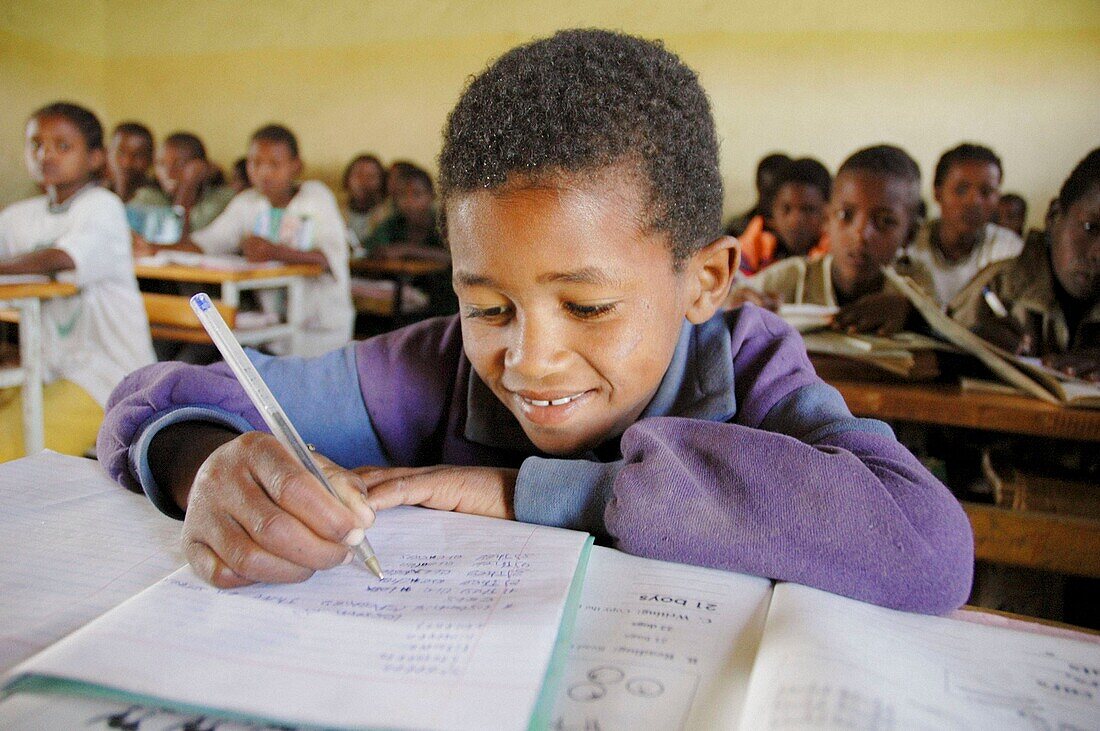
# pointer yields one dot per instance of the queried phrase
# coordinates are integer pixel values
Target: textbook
(907, 355)
(654, 645)
(1027, 375)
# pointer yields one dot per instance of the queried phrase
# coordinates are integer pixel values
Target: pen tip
(374, 566)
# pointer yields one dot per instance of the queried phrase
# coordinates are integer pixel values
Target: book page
(458, 635)
(23, 279)
(660, 646)
(75, 545)
(831, 662)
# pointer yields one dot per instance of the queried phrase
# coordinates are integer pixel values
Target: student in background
(1051, 292)
(365, 185)
(129, 157)
(793, 220)
(872, 214)
(590, 381)
(282, 219)
(191, 186)
(1011, 213)
(766, 171)
(76, 232)
(238, 179)
(412, 231)
(949, 251)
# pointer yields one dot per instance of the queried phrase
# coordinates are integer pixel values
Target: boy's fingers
(206, 564)
(240, 553)
(282, 534)
(349, 486)
(292, 488)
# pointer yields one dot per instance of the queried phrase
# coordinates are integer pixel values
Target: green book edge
(548, 696)
(540, 716)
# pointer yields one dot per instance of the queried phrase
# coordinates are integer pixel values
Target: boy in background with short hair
(129, 157)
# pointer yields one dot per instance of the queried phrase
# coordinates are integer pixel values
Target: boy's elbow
(940, 572)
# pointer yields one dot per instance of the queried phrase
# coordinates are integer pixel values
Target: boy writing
(587, 381)
(76, 232)
(1052, 291)
(873, 212)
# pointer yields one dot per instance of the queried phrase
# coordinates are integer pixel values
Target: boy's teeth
(555, 402)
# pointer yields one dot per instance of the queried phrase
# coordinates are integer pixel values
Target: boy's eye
(496, 312)
(1092, 228)
(63, 146)
(845, 215)
(589, 312)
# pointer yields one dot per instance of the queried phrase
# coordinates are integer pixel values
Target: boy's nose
(534, 350)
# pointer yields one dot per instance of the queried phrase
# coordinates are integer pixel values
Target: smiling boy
(587, 381)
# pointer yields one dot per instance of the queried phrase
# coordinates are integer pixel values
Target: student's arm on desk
(257, 249)
(253, 513)
(42, 261)
(795, 488)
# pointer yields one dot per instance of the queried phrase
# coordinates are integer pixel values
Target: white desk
(26, 298)
(288, 278)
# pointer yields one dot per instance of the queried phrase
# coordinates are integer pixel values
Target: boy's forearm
(179, 450)
(43, 261)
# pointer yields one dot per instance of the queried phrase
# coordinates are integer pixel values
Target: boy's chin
(562, 445)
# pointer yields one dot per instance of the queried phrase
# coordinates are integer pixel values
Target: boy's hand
(257, 248)
(254, 514)
(1004, 332)
(477, 490)
(882, 313)
(1083, 363)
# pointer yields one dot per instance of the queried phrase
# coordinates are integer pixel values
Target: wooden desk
(400, 271)
(232, 282)
(26, 299)
(949, 405)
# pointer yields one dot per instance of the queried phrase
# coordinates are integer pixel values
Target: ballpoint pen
(994, 303)
(265, 403)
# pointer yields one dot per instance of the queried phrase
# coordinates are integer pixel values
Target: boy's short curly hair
(966, 152)
(888, 161)
(83, 118)
(582, 100)
(1082, 181)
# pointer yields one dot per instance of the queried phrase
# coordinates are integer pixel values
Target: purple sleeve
(854, 514)
(797, 489)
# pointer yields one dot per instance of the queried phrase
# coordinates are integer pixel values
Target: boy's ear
(297, 168)
(711, 270)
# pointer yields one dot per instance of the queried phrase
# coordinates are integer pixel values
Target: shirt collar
(698, 384)
(56, 208)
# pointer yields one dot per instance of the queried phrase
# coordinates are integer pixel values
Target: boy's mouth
(550, 408)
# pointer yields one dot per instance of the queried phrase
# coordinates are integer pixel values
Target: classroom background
(808, 78)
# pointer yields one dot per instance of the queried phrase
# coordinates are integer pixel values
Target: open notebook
(1026, 375)
(655, 645)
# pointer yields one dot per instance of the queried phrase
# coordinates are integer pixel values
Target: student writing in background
(77, 232)
(129, 157)
(793, 219)
(282, 219)
(873, 212)
(191, 190)
(949, 251)
(589, 382)
(365, 184)
(1052, 291)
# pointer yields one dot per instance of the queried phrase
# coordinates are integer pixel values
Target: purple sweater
(744, 460)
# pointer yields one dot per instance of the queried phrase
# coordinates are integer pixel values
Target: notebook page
(458, 635)
(660, 646)
(75, 545)
(831, 662)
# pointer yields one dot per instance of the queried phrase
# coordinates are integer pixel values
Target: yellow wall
(818, 78)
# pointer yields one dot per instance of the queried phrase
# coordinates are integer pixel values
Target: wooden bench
(171, 318)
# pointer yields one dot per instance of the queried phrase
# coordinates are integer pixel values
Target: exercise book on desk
(460, 634)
